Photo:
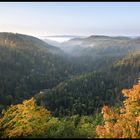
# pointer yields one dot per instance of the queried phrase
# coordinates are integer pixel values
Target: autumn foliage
(125, 122)
(30, 120)
(24, 120)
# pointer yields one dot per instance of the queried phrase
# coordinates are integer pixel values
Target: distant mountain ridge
(91, 75)
(21, 40)
(69, 36)
(96, 44)
(27, 65)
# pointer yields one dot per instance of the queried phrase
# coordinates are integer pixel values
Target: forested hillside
(28, 65)
(87, 93)
(74, 88)
(97, 45)
(28, 120)
(84, 94)
(70, 70)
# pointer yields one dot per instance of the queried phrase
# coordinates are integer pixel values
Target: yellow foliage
(124, 123)
(25, 119)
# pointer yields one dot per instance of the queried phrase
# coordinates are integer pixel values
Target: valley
(73, 80)
(69, 70)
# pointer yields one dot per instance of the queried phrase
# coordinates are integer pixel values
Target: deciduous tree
(125, 122)
(24, 120)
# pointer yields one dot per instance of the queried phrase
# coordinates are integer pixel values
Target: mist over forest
(69, 70)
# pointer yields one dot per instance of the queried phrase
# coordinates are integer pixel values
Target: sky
(71, 18)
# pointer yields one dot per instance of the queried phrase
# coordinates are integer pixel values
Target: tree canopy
(123, 122)
(24, 120)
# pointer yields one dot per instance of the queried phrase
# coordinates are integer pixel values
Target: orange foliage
(124, 123)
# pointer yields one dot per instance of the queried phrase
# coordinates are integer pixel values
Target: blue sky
(70, 18)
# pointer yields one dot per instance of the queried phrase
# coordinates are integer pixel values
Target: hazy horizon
(64, 37)
(70, 70)
(71, 18)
